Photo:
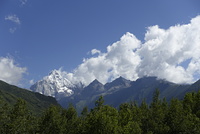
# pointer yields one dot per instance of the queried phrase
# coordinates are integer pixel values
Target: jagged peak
(119, 82)
(55, 72)
(95, 81)
(121, 79)
(94, 86)
(54, 84)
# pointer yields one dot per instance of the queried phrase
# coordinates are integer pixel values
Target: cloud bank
(172, 54)
(11, 72)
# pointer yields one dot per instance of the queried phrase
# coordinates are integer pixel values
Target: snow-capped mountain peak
(55, 84)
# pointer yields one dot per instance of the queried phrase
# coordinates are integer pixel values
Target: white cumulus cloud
(119, 60)
(10, 71)
(165, 50)
(172, 54)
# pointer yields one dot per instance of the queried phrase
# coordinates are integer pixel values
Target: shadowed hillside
(36, 102)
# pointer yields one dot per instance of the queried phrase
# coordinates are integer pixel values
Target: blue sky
(38, 36)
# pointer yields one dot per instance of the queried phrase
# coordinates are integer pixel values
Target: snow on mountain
(55, 84)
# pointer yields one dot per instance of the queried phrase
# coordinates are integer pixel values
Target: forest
(159, 117)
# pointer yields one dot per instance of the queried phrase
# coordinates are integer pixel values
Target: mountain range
(116, 92)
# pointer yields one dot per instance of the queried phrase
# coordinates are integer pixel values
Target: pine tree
(70, 120)
(21, 119)
(4, 117)
(51, 121)
(102, 119)
(157, 115)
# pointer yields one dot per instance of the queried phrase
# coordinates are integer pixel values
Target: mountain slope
(36, 102)
(192, 88)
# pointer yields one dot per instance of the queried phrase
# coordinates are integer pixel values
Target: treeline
(160, 117)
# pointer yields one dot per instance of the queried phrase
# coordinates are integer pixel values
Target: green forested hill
(36, 102)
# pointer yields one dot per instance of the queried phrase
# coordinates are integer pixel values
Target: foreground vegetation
(160, 117)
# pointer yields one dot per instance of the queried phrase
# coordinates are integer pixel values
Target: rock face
(55, 85)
